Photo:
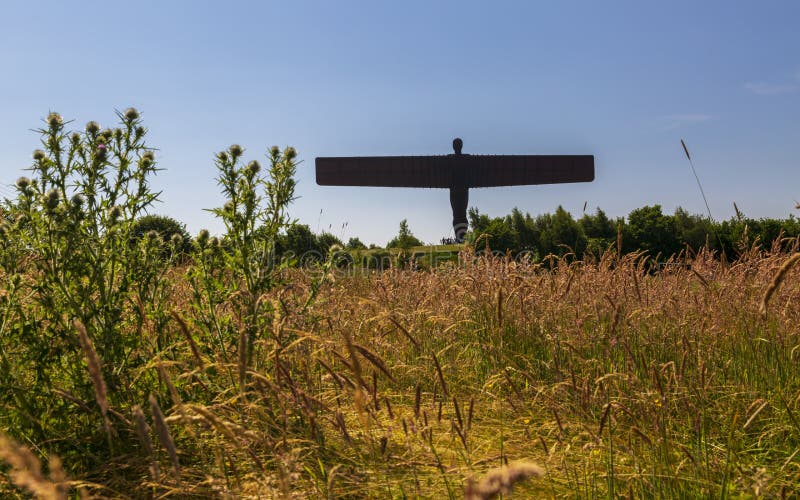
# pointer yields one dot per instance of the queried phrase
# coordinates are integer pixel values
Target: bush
(167, 228)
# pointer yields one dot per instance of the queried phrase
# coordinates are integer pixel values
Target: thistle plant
(69, 259)
(255, 211)
(242, 265)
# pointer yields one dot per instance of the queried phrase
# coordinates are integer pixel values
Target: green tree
(649, 229)
(525, 229)
(501, 237)
(600, 231)
(355, 244)
(298, 240)
(166, 227)
(326, 240)
(404, 239)
(558, 232)
(695, 231)
(478, 222)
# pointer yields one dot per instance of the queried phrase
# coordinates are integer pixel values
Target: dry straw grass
(501, 481)
(26, 471)
(615, 378)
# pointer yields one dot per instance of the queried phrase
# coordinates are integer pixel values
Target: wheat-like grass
(96, 376)
(501, 481)
(26, 471)
(164, 436)
(143, 431)
(777, 280)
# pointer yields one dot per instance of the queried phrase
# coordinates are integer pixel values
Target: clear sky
(623, 80)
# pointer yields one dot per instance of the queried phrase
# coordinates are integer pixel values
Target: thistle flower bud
(202, 237)
(118, 134)
(275, 151)
(75, 138)
(78, 200)
(290, 153)
(39, 155)
(152, 236)
(228, 207)
(93, 127)
(114, 213)
(131, 114)
(51, 199)
(176, 240)
(140, 131)
(23, 182)
(236, 151)
(54, 120)
(222, 156)
(148, 157)
(214, 242)
(101, 151)
(253, 168)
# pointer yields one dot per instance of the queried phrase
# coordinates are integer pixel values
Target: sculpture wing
(450, 170)
(493, 171)
(385, 171)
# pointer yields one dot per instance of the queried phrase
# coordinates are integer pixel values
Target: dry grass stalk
(375, 360)
(440, 374)
(173, 393)
(143, 431)
(755, 414)
(417, 400)
(242, 365)
(354, 364)
(405, 331)
(26, 471)
(184, 328)
(501, 481)
(96, 375)
(777, 280)
(164, 436)
(225, 430)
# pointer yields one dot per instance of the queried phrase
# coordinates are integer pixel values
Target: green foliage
(68, 258)
(166, 227)
(355, 244)
(600, 231)
(560, 233)
(300, 243)
(255, 215)
(646, 229)
(650, 230)
(404, 239)
(255, 212)
(499, 235)
(327, 240)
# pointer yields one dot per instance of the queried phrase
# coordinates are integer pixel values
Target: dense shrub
(167, 228)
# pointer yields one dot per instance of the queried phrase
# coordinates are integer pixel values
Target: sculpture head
(457, 145)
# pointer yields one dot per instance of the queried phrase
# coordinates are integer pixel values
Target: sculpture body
(457, 172)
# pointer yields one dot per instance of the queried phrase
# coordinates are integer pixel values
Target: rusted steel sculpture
(457, 172)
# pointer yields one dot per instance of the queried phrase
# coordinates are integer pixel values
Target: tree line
(644, 229)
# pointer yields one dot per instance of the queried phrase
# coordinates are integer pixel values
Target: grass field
(131, 366)
(614, 381)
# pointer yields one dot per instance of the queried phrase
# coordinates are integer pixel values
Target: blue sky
(624, 81)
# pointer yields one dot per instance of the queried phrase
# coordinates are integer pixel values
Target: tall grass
(411, 383)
